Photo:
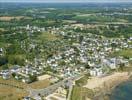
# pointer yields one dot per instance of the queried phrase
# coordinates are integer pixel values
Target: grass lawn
(13, 82)
(10, 91)
(47, 36)
(39, 84)
(35, 85)
(19, 56)
(50, 22)
(14, 90)
(81, 93)
(125, 53)
(82, 81)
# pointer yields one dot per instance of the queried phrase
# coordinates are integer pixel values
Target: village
(87, 53)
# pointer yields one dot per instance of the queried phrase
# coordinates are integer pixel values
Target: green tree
(32, 78)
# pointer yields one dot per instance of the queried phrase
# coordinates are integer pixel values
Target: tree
(122, 66)
(3, 61)
(5, 67)
(87, 66)
(13, 74)
(32, 78)
(16, 60)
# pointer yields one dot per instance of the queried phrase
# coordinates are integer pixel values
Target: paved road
(46, 91)
(52, 88)
(70, 92)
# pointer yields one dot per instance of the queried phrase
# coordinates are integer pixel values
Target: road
(70, 92)
(54, 87)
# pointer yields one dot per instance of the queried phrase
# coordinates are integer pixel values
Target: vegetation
(32, 78)
(127, 53)
(82, 81)
(40, 84)
(21, 44)
(109, 31)
(26, 33)
(81, 93)
(45, 37)
(12, 89)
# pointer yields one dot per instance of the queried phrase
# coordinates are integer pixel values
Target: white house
(96, 72)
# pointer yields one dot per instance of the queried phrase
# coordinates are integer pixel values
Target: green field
(47, 36)
(81, 93)
(82, 81)
(125, 53)
(96, 18)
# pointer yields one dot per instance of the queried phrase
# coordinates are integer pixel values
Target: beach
(102, 86)
(100, 82)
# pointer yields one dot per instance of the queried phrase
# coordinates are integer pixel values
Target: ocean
(122, 91)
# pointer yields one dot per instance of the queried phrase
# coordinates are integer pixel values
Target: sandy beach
(107, 81)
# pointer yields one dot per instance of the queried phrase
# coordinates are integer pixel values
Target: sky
(62, 1)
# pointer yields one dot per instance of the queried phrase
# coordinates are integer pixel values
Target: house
(96, 72)
(15, 69)
(54, 79)
(91, 64)
(26, 98)
(26, 80)
(1, 51)
(18, 77)
(125, 62)
(28, 27)
(44, 77)
(5, 74)
(34, 72)
(37, 97)
(112, 63)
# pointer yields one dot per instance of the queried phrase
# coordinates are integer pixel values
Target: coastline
(103, 86)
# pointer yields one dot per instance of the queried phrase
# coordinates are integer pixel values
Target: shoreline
(103, 86)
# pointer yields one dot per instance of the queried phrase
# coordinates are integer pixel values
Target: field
(12, 90)
(40, 84)
(82, 81)
(9, 93)
(8, 18)
(98, 18)
(69, 21)
(48, 36)
(81, 93)
(15, 90)
(94, 18)
(125, 53)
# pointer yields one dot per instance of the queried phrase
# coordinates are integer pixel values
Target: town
(46, 62)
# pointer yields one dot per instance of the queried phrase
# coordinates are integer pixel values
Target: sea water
(122, 91)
